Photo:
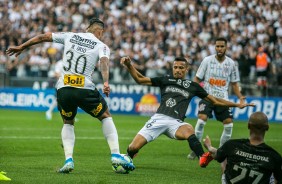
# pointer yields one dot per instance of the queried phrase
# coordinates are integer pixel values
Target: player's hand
(106, 89)
(14, 50)
(243, 105)
(125, 61)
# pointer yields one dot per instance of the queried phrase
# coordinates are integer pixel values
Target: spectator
(262, 65)
(178, 26)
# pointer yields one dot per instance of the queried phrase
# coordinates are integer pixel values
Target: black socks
(195, 145)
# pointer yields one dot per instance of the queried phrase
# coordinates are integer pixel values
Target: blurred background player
(58, 68)
(176, 94)
(249, 160)
(217, 71)
(76, 88)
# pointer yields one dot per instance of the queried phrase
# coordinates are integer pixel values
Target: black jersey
(247, 163)
(176, 95)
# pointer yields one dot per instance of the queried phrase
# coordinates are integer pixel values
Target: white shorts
(160, 124)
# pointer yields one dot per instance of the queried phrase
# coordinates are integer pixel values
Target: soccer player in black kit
(249, 160)
(176, 94)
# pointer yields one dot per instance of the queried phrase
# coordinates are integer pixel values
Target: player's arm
(104, 69)
(46, 37)
(209, 147)
(221, 102)
(197, 79)
(236, 90)
(137, 76)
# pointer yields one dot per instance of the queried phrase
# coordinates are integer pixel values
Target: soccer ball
(119, 168)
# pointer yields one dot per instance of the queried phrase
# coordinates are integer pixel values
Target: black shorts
(221, 113)
(69, 99)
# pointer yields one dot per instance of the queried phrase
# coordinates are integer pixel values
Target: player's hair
(258, 122)
(96, 21)
(182, 59)
(221, 39)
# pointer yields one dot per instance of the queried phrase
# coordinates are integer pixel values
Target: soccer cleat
(118, 159)
(48, 115)
(192, 156)
(68, 167)
(3, 177)
(205, 159)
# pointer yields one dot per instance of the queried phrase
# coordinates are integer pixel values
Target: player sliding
(176, 94)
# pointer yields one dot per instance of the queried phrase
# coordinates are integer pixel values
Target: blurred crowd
(152, 32)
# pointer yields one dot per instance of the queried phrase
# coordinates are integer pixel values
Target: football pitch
(31, 152)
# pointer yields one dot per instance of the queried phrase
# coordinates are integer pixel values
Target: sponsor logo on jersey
(67, 114)
(74, 80)
(217, 82)
(177, 90)
(83, 41)
(97, 110)
(252, 156)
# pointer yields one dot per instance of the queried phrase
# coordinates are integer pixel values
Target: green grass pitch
(30, 151)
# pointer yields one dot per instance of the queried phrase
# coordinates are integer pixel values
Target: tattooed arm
(47, 37)
(104, 69)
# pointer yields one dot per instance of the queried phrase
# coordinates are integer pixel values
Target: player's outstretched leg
(118, 159)
(68, 167)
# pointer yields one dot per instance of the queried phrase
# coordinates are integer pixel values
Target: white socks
(68, 139)
(223, 180)
(226, 134)
(110, 133)
(199, 129)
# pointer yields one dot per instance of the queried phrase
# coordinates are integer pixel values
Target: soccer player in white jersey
(76, 88)
(217, 71)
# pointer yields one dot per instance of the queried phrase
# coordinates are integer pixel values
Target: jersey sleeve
(222, 152)
(202, 69)
(104, 51)
(156, 81)
(235, 74)
(60, 37)
(200, 92)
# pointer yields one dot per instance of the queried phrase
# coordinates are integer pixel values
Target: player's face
(220, 48)
(180, 69)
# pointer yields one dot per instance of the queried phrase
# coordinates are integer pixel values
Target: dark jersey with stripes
(176, 95)
(247, 163)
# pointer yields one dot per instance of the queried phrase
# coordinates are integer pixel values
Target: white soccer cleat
(125, 162)
(192, 156)
(68, 167)
(48, 115)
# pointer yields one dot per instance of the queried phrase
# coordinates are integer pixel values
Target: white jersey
(217, 76)
(82, 51)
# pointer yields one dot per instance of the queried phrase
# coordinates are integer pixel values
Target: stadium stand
(152, 32)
